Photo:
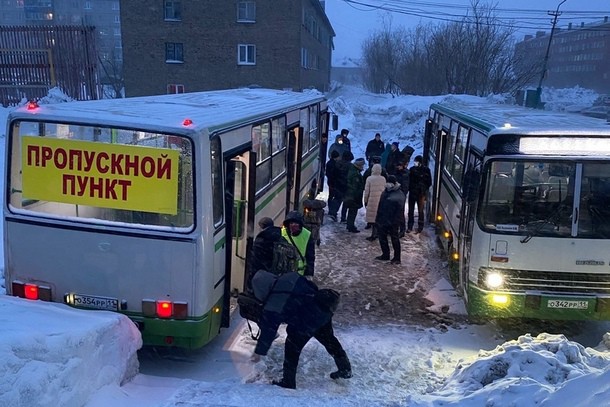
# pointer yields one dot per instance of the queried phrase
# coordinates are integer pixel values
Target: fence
(34, 59)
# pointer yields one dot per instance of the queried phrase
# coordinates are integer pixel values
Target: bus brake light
(32, 105)
(164, 309)
(31, 292)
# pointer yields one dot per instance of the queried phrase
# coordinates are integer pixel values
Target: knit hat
(265, 222)
(391, 179)
(419, 159)
(395, 144)
(359, 163)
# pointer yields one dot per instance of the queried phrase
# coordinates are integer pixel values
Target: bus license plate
(90, 301)
(568, 304)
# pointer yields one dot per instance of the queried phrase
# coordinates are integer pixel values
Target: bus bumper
(189, 333)
(498, 304)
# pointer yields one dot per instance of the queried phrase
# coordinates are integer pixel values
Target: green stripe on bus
(270, 197)
(219, 244)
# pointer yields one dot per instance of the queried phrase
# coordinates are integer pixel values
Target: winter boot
(344, 369)
(373, 236)
(285, 384)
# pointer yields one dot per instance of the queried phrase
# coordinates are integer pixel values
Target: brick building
(188, 46)
(579, 55)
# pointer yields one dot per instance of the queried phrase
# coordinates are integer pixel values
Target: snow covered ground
(54, 355)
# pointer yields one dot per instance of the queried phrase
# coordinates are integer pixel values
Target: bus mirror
(335, 122)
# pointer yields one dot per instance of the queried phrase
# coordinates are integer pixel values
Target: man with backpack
(295, 233)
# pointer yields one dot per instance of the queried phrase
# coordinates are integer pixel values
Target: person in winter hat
(402, 177)
(368, 172)
(389, 215)
(373, 188)
(342, 169)
(339, 145)
(374, 148)
(330, 171)
(420, 181)
(290, 298)
(353, 194)
(262, 250)
(346, 140)
(394, 158)
(296, 234)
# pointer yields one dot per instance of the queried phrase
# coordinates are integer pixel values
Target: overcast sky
(354, 20)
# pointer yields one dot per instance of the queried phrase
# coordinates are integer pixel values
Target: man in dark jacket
(339, 146)
(331, 179)
(374, 148)
(353, 194)
(299, 236)
(420, 181)
(290, 299)
(342, 168)
(389, 215)
(394, 158)
(402, 177)
(262, 250)
(368, 171)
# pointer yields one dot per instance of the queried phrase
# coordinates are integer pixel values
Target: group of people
(384, 189)
(289, 297)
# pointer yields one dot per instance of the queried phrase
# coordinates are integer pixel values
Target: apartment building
(579, 55)
(187, 46)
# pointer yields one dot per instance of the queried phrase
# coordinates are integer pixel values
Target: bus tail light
(31, 291)
(164, 309)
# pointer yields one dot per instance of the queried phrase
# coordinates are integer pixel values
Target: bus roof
(492, 118)
(212, 111)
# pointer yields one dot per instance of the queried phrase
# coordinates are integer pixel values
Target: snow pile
(528, 369)
(51, 354)
(569, 99)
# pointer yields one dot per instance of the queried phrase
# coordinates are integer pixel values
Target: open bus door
(467, 217)
(293, 165)
(239, 202)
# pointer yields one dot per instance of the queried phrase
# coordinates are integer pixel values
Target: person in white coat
(373, 188)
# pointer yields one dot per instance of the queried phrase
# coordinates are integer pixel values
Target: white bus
(147, 206)
(522, 203)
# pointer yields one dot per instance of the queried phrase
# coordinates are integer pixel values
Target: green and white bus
(521, 198)
(147, 206)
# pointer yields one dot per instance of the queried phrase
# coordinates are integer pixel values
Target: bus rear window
(101, 174)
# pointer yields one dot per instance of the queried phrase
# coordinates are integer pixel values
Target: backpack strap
(295, 246)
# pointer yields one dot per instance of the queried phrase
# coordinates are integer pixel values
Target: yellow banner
(99, 174)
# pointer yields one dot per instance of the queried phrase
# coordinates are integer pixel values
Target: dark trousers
(392, 231)
(420, 200)
(403, 224)
(296, 341)
(351, 217)
(335, 202)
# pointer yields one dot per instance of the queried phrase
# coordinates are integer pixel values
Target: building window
(173, 10)
(173, 52)
(246, 11)
(88, 5)
(115, 5)
(117, 32)
(246, 54)
(173, 88)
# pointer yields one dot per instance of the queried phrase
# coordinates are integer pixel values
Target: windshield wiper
(551, 219)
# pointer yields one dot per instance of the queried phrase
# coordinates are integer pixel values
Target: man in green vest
(297, 235)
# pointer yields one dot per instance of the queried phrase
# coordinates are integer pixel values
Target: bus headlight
(494, 280)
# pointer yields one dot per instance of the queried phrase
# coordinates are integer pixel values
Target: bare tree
(112, 80)
(474, 56)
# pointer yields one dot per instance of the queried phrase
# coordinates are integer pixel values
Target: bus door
(293, 168)
(437, 173)
(472, 179)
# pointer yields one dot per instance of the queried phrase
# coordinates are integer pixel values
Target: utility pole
(555, 15)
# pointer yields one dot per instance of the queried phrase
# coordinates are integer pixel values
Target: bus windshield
(101, 174)
(546, 198)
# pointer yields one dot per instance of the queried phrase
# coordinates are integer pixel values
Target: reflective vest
(300, 242)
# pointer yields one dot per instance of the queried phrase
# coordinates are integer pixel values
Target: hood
(261, 284)
(392, 187)
(293, 216)
(376, 170)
